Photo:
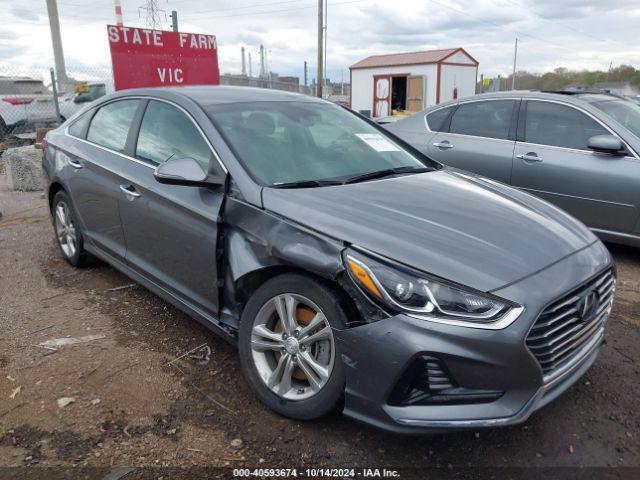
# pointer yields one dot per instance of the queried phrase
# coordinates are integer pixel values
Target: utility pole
(324, 67)
(320, 80)
(515, 59)
(56, 40)
(174, 20)
(306, 74)
(56, 104)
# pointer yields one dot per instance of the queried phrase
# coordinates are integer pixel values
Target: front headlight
(425, 297)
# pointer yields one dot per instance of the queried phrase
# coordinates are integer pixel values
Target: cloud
(576, 34)
(24, 13)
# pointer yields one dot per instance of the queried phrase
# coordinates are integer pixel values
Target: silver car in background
(578, 151)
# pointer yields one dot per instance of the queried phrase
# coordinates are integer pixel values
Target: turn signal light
(363, 277)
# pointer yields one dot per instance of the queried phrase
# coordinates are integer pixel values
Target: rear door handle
(445, 145)
(129, 191)
(75, 164)
(529, 157)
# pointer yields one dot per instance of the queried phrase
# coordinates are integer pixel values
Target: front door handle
(75, 164)
(529, 157)
(445, 145)
(129, 191)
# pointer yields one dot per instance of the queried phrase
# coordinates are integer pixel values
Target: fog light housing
(428, 382)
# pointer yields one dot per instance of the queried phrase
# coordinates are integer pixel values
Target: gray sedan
(352, 272)
(580, 152)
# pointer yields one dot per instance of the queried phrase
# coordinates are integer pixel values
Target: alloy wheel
(65, 229)
(292, 346)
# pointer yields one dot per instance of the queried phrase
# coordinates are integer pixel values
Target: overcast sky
(571, 33)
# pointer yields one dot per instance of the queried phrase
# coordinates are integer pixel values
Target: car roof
(219, 94)
(566, 97)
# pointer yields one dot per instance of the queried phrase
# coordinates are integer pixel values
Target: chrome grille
(571, 322)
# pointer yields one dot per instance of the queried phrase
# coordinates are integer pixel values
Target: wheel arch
(54, 188)
(259, 246)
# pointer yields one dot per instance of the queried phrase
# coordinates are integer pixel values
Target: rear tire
(294, 369)
(67, 232)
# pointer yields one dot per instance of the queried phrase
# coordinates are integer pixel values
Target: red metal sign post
(143, 57)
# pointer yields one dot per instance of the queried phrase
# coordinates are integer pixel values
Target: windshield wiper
(307, 184)
(387, 172)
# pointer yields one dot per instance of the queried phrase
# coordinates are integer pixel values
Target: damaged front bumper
(483, 378)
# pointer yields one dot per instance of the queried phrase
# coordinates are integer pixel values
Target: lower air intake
(428, 382)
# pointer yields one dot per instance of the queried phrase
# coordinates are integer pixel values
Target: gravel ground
(132, 407)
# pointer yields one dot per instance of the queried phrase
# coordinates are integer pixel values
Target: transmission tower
(155, 15)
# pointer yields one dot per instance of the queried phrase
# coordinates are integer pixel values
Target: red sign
(143, 57)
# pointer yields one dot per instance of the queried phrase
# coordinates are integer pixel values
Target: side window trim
(85, 129)
(132, 137)
(513, 123)
(153, 163)
(522, 121)
(446, 126)
(213, 151)
(515, 101)
(102, 105)
(447, 120)
(629, 152)
(147, 98)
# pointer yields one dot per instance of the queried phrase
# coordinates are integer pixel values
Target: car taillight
(17, 100)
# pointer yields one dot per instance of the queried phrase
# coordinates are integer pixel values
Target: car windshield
(624, 112)
(309, 144)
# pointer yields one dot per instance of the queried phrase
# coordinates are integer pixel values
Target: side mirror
(606, 144)
(184, 171)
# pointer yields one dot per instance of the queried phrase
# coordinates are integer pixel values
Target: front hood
(454, 225)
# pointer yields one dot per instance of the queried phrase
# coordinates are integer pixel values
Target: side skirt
(617, 237)
(205, 319)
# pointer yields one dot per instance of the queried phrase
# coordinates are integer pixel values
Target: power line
(503, 27)
(268, 12)
(268, 4)
(92, 7)
(573, 29)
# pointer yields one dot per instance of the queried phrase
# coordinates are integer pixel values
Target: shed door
(381, 95)
(415, 93)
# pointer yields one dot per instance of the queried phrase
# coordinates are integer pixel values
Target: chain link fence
(27, 99)
(27, 96)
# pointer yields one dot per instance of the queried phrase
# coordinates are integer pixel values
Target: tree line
(562, 77)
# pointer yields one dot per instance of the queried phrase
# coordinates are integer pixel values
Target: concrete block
(23, 167)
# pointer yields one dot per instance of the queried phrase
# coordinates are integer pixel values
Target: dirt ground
(133, 408)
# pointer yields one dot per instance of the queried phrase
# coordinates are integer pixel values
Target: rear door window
(78, 128)
(110, 125)
(168, 133)
(560, 126)
(437, 120)
(490, 119)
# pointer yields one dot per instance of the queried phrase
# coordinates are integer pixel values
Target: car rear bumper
(378, 357)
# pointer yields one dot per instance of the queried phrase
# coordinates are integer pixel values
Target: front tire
(68, 235)
(288, 352)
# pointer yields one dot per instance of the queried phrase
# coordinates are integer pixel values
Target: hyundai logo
(588, 305)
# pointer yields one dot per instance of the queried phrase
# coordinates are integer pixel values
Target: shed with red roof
(388, 84)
